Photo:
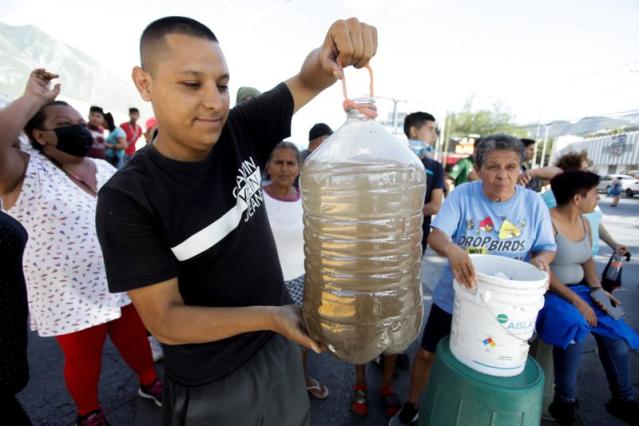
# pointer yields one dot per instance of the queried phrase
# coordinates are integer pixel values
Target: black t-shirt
(14, 370)
(204, 223)
(434, 180)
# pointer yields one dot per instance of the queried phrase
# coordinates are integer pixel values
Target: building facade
(610, 154)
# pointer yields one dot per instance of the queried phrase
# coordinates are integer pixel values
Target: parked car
(633, 173)
(629, 184)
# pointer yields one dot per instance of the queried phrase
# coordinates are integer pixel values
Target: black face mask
(74, 140)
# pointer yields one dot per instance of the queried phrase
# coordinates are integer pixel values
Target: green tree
(482, 122)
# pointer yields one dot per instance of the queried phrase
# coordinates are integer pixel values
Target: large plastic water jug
(363, 193)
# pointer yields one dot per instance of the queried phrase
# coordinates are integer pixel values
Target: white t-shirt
(63, 265)
(285, 218)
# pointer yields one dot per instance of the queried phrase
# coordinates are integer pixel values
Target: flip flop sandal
(359, 405)
(317, 390)
(390, 400)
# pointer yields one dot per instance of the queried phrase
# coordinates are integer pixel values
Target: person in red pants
(51, 189)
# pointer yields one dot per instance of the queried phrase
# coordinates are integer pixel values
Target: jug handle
(368, 110)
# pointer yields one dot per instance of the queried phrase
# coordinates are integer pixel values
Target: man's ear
(142, 81)
(412, 132)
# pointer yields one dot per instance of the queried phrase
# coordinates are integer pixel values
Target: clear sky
(542, 59)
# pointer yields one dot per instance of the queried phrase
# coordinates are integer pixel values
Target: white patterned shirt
(63, 265)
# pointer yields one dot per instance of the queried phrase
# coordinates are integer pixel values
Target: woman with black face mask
(51, 189)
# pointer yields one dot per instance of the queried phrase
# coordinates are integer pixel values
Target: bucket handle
(368, 110)
(528, 341)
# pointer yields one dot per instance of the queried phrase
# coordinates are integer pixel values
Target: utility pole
(395, 113)
(441, 140)
(543, 152)
(534, 159)
(395, 101)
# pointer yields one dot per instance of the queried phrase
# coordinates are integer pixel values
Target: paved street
(48, 403)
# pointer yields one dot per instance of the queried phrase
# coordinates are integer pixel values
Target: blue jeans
(614, 357)
(115, 157)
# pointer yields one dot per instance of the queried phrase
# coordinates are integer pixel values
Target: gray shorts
(269, 389)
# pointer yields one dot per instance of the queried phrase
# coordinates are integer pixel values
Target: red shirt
(132, 136)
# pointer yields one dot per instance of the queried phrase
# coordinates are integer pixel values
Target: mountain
(632, 117)
(585, 126)
(589, 125)
(23, 48)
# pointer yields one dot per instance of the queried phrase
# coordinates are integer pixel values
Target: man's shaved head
(152, 42)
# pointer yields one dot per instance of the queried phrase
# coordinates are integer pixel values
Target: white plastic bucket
(493, 323)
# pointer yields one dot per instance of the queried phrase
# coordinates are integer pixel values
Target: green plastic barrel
(458, 395)
(542, 353)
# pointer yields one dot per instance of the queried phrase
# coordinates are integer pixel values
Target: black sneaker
(566, 413)
(408, 415)
(628, 411)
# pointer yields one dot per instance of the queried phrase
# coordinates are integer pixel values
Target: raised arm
(13, 119)
(546, 173)
(349, 41)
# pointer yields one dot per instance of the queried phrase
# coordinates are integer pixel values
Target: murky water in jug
(362, 233)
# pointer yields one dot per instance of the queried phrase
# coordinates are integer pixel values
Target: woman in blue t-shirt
(491, 216)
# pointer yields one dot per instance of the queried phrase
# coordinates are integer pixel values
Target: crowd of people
(120, 143)
(196, 240)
